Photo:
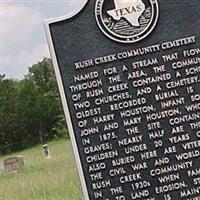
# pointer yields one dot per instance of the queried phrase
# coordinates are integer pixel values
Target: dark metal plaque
(128, 73)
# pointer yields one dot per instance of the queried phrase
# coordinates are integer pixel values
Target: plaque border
(47, 23)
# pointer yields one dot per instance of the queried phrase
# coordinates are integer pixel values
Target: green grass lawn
(40, 179)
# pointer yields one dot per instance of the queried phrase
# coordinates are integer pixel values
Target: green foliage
(30, 109)
(2, 76)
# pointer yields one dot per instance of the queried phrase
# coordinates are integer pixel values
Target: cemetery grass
(40, 179)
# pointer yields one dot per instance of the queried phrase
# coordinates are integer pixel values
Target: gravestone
(128, 75)
(13, 164)
(46, 152)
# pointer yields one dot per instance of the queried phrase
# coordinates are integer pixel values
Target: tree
(43, 77)
(8, 123)
(30, 109)
(2, 77)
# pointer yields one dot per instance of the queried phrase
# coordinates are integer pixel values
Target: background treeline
(30, 109)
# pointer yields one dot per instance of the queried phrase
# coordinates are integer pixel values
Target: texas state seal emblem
(126, 21)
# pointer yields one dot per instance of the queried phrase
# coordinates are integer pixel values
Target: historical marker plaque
(128, 73)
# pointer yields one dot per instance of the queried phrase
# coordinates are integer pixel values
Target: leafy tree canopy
(30, 109)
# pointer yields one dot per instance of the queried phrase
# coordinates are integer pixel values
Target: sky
(23, 42)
